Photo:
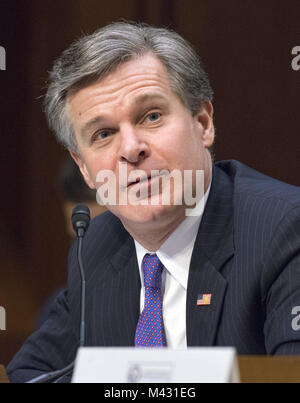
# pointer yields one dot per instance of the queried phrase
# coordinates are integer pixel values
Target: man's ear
(204, 119)
(83, 169)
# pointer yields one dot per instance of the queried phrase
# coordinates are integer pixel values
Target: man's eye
(152, 117)
(102, 135)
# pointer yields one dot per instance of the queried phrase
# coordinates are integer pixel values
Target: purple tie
(150, 328)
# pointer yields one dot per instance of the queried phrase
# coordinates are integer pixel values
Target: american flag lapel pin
(204, 299)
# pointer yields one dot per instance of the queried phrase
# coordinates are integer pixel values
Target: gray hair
(94, 56)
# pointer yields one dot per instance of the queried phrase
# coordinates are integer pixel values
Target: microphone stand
(80, 227)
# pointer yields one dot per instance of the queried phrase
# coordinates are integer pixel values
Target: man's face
(133, 117)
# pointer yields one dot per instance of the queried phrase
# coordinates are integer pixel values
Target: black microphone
(80, 221)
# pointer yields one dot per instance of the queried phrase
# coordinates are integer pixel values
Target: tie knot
(152, 268)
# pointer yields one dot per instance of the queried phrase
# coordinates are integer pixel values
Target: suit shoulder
(105, 228)
(104, 221)
(250, 183)
(104, 237)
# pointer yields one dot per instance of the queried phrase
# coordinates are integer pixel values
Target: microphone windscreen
(81, 217)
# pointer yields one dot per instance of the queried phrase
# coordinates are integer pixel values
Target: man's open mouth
(140, 180)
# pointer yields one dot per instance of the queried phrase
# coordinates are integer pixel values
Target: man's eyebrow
(149, 97)
(89, 124)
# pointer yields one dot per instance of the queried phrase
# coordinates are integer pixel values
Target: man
(137, 97)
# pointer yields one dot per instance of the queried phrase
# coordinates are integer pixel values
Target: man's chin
(144, 214)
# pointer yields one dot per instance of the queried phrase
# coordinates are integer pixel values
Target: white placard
(157, 365)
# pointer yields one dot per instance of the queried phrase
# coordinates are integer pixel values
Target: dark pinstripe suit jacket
(247, 255)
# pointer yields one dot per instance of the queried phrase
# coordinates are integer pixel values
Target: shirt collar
(176, 252)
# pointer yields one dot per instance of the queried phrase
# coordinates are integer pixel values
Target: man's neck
(152, 237)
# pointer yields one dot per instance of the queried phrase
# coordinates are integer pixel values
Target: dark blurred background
(246, 49)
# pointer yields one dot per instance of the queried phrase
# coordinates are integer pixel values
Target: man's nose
(133, 148)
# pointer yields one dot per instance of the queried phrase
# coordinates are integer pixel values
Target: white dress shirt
(175, 255)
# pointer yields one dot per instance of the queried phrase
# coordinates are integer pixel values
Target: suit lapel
(213, 248)
(126, 277)
(115, 295)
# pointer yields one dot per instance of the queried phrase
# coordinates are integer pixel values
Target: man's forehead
(147, 65)
(137, 84)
